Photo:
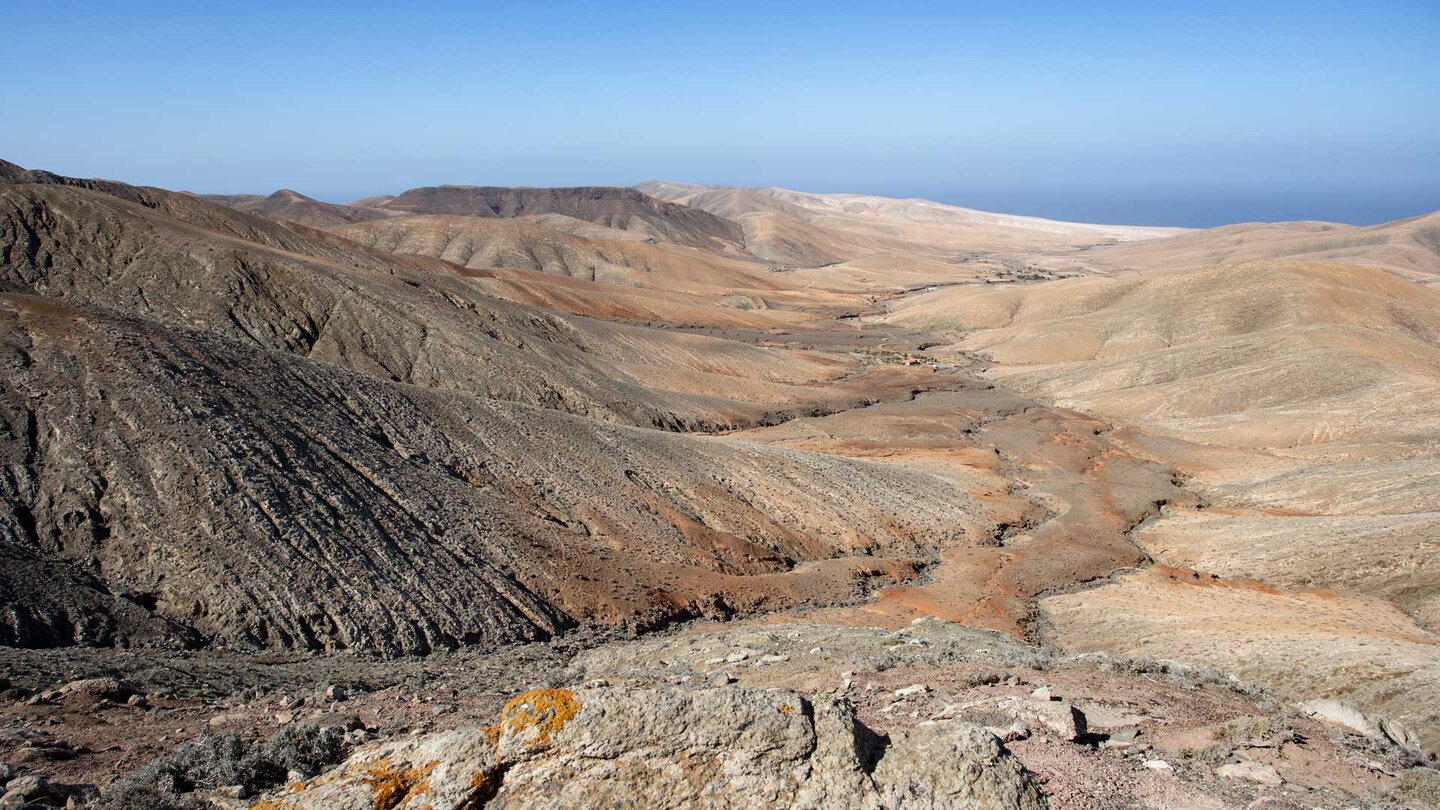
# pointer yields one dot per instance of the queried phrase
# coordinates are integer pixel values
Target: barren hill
(296, 207)
(1300, 400)
(622, 208)
(1409, 248)
(810, 230)
(480, 243)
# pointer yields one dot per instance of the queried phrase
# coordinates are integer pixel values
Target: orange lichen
(786, 708)
(392, 783)
(545, 710)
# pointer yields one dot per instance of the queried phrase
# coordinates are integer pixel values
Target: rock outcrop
(715, 748)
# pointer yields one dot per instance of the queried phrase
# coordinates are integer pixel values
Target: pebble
(724, 679)
(1158, 765)
(911, 690)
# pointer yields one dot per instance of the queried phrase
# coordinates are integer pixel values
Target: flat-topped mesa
(615, 207)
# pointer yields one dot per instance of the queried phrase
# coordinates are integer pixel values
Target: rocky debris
(1257, 772)
(676, 748)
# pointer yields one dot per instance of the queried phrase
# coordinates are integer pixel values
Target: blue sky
(1144, 112)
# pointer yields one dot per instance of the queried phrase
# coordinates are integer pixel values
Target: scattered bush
(1418, 788)
(1183, 674)
(212, 761)
(1250, 729)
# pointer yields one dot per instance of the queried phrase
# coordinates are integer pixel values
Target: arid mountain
(296, 207)
(621, 208)
(195, 419)
(870, 490)
(809, 230)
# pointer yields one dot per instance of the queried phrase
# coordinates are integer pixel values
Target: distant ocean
(1195, 209)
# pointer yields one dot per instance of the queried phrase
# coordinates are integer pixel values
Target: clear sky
(1146, 112)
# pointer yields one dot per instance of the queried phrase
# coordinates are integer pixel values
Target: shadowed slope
(258, 498)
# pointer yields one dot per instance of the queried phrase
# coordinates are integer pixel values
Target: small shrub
(212, 761)
(1418, 788)
(1250, 728)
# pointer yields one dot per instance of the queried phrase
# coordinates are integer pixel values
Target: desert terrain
(683, 495)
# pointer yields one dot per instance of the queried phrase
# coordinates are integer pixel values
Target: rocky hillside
(213, 417)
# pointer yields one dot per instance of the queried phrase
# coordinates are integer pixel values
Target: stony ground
(1094, 732)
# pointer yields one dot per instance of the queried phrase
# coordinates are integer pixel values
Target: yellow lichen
(492, 734)
(392, 783)
(545, 710)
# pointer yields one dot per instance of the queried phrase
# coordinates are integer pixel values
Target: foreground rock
(726, 747)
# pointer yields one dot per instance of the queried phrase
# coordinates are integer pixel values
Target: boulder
(1257, 772)
(946, 765)
(1340, 713)
(1055, 717)
(673, 747)
(24, 789)
(108, 688)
